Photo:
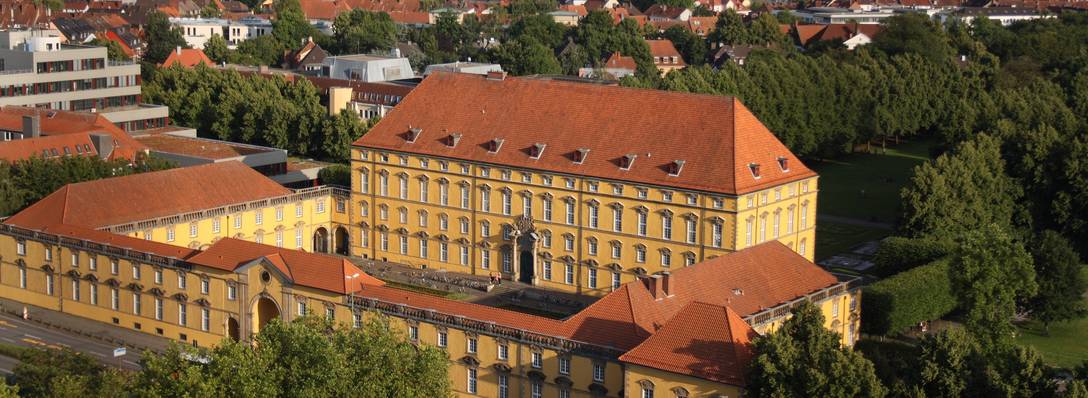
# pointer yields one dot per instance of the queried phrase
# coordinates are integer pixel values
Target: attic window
(413, 134)
(453, 139)
(627, 160)
(784, 163)
(675, 167)
(580, 155)
(494, 145)
(536, 150)
(755, 169)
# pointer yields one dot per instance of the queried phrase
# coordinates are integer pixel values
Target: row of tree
(308, 357)
(255, 109)
(26, 181)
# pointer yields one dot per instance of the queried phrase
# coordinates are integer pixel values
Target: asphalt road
(14, 330)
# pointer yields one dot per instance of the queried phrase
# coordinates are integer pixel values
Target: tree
(945, 363)
(804, 359)
(12, 196)
(361, 31)
(290, 26)
(692, 47)
(1061, 282)
(210, 11)
(914, 33)
(729, 29)
(65, 373)
(216, 49)
(764, 30)
(990, 273)
(531, 7)
(260, 50)
(26, 181)
(961, 191)
(113, 49)
(162, 38)
(542, 28)
(339, 133)
(527, 57)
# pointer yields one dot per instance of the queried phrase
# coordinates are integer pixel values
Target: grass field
(1067, 344)
(834, 238)
(866, 186)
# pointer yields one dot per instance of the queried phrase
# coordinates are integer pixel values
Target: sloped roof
(618, 61)
(806, 33)
(46, 146)
(144, 245)
(187, 57)
(314, 270)
(662, 48)
(702, 340)
(79, 123)
(715, 136)
(847, 31)
(118, 200)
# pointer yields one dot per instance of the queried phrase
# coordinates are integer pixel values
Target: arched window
(647, 388)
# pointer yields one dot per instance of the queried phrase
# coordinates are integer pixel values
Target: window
(384, 240)
(443, 338)
(49, 284)
(258, 216)
(536, 389)
(181, 280)
(527, 205)
(464, 197)
(570, 213)
(330, 313)
(158, 308)
(568, 243)
(547, 206)
(546, 267)
(20, 247)
(216, 228)
(690, 226)
(94, 294)
(592, 186)
(356, 320)
(232, 292)
(835, 308)
(298, 237)
(503, 351)
(593, 215)
(592, 278)
(506, 203)
(298, 210)
(485, 229)
(170, 234)
(569, 271)
(423, 188)
(546, 239)
(364, 182)
(617, 249)
(237, 221)
(423, 218)
(526, 178)
(92, 263)
(204, 285)
(666, 258)
(591, 245)
(505, 175)
(423, 247)
(443, 252)
(617, 189)
(22, 277)
(403, 244)
(666, 226)
(279, 238)
(507, 265)
(693, 199)
(538, 360)
(75, 289)
(546, 180)
(748, 232)
(804, 215)
(641, 223)
(279, 213)
(205, 319)
(485, 172)
(135, 271)
(504, 386)
(472, 343)
(666, 196)
(763, 228)
(485, 259)
(716, 238)
(443, 194)
(648, 391)
(598, 371)
(182, 314)
(718, 203)
(789, 220)
(471, 380)
(569, 183)
(564, 365)
(641, 193)
(464, 225)
(403, 215)
(801, 248)
(617, 219)
(75, 259)
(383, 212)
(615, 280)
(302, 308)
(115, 266)
(413, 333)
(402, 186)
(383, 184)
(640, 254)
(464, 255)
(464, 168)
(115, 298)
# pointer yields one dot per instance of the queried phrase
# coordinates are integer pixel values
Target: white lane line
(32, 337)
(98, 353)
(130, 362)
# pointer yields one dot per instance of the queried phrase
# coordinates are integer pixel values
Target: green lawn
(834, 238)
(866, 186)
(1067, 344)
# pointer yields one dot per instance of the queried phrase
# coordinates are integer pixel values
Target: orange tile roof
(846, 32)
(746, 281)
(199, 147)
(143, 245)
(46, 146)
(319, 271)
(664, 49)
(118, 200)
(411, 17)
(78, 123)
(703, 340)
(715, 136)
(187, 57)
(806, 33)
(618, 61)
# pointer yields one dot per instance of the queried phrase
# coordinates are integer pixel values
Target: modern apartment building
(38, 70)
(572, 186)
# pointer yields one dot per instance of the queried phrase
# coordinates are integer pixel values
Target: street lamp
(351, 291)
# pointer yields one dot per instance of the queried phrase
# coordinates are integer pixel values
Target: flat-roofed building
(271, 162)
(367, 68)
(572, 186)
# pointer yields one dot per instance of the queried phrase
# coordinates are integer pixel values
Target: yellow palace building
(570, 186)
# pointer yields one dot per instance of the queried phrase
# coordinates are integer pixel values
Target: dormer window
(675, 167)
(453, 139)
(413, 134)
(580, 155)
(494, 145)
(536, 150)
(627, 160)
(754, 167)
(784, 163)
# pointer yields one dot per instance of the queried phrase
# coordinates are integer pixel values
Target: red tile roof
(187, 57)
(716, 137)
(846, 32)
(409, 17)
(618, 61)
(143, 245)
(703, 340)
(314, 270)
(666, 51)
(78, 123)
(46, 146)
(746, 281)
(118, 200)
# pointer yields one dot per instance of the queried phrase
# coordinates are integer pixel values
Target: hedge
(898, 254)
(895, 304)
(337, 174)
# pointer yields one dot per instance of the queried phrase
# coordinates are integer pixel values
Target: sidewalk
(82, 326)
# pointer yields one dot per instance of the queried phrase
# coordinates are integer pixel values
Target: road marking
(32, 341)
(5, 324)
(98, 353)
(32, 336)
(130, 362)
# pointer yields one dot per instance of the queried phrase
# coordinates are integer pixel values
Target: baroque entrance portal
(525, 243)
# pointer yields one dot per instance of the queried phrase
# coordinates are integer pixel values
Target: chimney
(177, 50)
(263, 69)
(103, 144)
(32, 126)
(653, 284)
(666, 284)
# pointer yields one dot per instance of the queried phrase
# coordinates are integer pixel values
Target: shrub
(898, 254)
(901, 301)
(337, 174)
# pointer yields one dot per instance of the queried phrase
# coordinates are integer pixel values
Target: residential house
(615, 67)
(665, 56)
(186, 58)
